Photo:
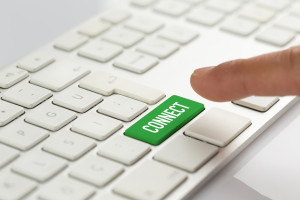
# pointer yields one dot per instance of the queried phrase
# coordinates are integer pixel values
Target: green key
(164, 120)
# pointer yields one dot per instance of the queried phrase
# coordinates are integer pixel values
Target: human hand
(273, 74)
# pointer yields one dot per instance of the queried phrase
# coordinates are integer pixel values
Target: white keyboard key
(9, 112)
(136, 62)
(124, 149)
(26, 95)
(289, 22)
(121, 107)
(68, 145)
(59, 75)
(50, 117)
(152, 180)
(296, 10)
(36, 61)
(158, 47)
(240, 26)
(172, 8)
(191, 155)
(205, 16)
(227, 6)
(7, 155)
(107, 84)
(39, 166)
(258, 13)
(146, 25)
(182, 35)
(70, 41)
(142, 3)
(100, 51)
(258, 103)
(96, 126)
(22, 135)
(14, 187)
(77, 99)
(115, 16)
(274, 4)
(96, 170)
(66, 189)
(10, 76)
(229, 126)
(276, 36)
(112, 196)
(93, 28)
(193, 2)
(123, 37)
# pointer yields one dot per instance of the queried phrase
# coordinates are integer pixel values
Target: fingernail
(200, 71)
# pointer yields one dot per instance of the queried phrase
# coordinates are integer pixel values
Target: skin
(273, 74)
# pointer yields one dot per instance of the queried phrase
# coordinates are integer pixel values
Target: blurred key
(276, 36)
(142, 3)
(10, 76)
(172, 8)
(144, 24)
(7, 154)
(258, 13)
(36, 61)
(115, 16)
(240, 26)
(274, 4)
(205, 16)
(289, 22)
(70, 41)
(9, 112)
(94, 28)
(227, 6)
(182, 35)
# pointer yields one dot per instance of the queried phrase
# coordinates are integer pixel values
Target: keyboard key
(172, 8)
(10, 76)
(39, 166)
(96, 126)
(115, 16)
(142, 3)
(68, 145)
(100, 51)
(26, 95)
(258, 13)
(229, 126)
(152, 180)
(22, 135)
(227, 6)
(240, 26)
(146, 25)
(66, 189)
(7, 155)
(59, 75)
(94, 28)
(276, 36)
(124, 150)
(261, 104)
(77, 99)
(274, 4)
(112, 196)
(191, 155)
(121, 107)
(136, 62)
(107, 84)
(158, 47)
(123, 37)
(96, 170)
(50, 117)
(70, 41)
(9, 112)
(164, 120)
(296, 10)
(36, 61)
(289, 22)
(182, 35)
(14, 187)
(205, 16)
(193, 2)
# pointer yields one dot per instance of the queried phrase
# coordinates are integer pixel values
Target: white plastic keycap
(9, 112)
(26, 95)
(96, 126)
(227, 6)
(151, 180)
(172, 8)
(142, 3)
(50, 117)
(191, 155)
(179, 34)
(276, 36)
(107, 84)
(7, 154)
(230, 125)
(143, 24)
(11, 75)
(124, 149)
(36, 61)
(289, 22)
(68, 145)
(93, 28)
(39, 166)
(121, 107)
(240, 26)
(70, 41)
(115, 16)
(258, 13)
(59, 75)
(22, 135)
(77, 99)
(15, 187)
(258, 103)
(274, 4)
(205, 16)
(96, 170)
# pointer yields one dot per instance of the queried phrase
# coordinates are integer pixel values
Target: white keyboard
(106, 110)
